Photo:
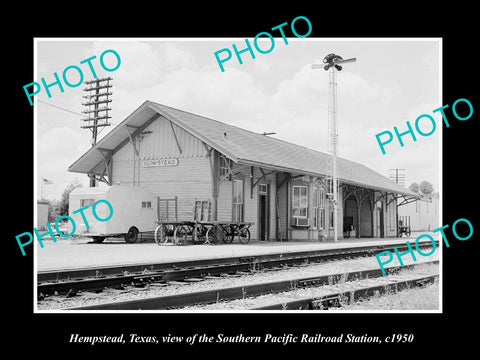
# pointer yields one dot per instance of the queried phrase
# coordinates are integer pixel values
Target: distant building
(42, 214)
(423, 213)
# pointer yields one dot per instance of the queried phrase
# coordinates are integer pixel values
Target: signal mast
(332, 63)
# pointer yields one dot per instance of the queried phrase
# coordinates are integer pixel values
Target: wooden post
(176, 208)
(212, 154)
(359, 206)
(372, 209)
(289, 208)
(251, 182)
(310, 207)
(357, 200)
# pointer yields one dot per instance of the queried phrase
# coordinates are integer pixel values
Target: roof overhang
(406, 195)
(91, 161)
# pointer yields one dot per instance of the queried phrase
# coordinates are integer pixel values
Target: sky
(393, 81)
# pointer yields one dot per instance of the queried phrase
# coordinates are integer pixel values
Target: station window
(146, 204)
(224, 167)
(262, 188)
(86, 202)
(300, 202)
(315, 207)
(321, 206)
(238, 200)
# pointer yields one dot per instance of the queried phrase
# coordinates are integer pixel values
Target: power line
(70, 111)
(61, 108)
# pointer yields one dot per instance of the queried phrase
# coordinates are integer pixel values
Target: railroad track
(335, 300)
(69, 282)
(183, 300)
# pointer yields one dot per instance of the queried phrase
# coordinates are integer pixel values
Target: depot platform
(75, 253)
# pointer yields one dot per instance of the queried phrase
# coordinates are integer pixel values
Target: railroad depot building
(204, 169)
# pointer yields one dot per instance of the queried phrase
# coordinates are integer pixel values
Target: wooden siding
(391, 218)
(224, 201)
(162, 142)
(250, 200)
(282, 206)
(250, 203)
(190, 180)
(273, 208)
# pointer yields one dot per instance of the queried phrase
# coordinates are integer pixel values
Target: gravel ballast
(156, 289)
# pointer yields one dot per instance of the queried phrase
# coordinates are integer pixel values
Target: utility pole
(397, 175)
(332, 62)
(97, 116)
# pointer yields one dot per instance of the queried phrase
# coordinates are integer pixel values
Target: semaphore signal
(332, 62)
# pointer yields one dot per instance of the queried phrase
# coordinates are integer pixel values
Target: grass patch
(425, 298)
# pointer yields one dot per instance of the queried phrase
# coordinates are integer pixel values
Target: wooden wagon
(404, 226)
(200, 228)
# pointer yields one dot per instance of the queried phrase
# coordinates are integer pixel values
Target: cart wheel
(198, 233)
(212, 235)
(408, 232)
(215, 234)
(244, 235)
(98, 239)
(160, 234)
(180, 235)
(132, 235)
(228, 236)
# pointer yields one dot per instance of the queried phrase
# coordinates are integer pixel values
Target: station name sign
(160, 162)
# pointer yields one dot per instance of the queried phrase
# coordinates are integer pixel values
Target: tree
(414, 187)
(64, 201)
(53, 210)
(426, 188)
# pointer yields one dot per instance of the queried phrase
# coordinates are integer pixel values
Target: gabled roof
(240, 145)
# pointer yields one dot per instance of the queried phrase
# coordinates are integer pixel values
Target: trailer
(134, 211)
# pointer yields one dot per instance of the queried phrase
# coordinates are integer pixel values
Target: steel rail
(239, 292)
(334, 300)
(71, 281)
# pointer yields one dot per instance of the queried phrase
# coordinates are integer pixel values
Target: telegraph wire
(61, 108)
(64, 109)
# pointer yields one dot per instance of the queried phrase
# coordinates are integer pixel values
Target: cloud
(270, 93)
(144, 64)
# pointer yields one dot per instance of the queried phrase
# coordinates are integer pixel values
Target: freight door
(380, 225)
